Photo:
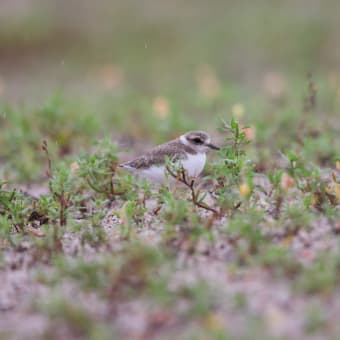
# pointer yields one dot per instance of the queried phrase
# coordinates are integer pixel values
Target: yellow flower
(208, 82)
(244, 190)
(161, 107)
(314, 200)
(337, 190)
(337, 165)
(287, 241)
(214, 321)
(238, 110)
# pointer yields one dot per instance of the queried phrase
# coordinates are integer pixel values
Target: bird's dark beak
(212, 146)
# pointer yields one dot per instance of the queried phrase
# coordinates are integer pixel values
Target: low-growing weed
(233, 171)
(321, 277)
(99, 171)
(15, 210)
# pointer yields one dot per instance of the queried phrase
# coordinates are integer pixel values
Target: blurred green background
(71, 71)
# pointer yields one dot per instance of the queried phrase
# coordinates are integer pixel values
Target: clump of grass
(233, 171)
(65, 126)
(181, 176)
(59, 121)
(92, 232)
(15, 210)
(118, 276)
(99, 171)
(280, 261)
(245, 233)
(72, 318)
(60, 187)
(322, 277)
(131, 215)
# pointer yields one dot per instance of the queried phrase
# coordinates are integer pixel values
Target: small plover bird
(188, 150)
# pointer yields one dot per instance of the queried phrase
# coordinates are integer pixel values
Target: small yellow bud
(208, 82)
(238, 110)
(287, 241)
(244, 190)
(337, 165)
(314, 200)
(337, 190)
(214, 321)
(161, 107)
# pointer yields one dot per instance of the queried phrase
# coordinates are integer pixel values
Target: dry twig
(181, 176)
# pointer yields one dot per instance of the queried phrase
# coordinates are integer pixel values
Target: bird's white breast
(194, 165)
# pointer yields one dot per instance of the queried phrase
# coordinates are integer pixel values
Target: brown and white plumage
(189, 149)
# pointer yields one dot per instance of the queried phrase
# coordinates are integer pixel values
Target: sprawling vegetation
(248, 250)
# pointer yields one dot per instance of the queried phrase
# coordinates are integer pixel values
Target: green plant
(92, 232)
(6, 197)
(279, 261)
(232, 169)
(61, 189)
(131, 215)
(58, 120)
(178, 173)
(201, 298)
(321, 277)
(14, 208)
(316, 319)
(99, 170)
(245, 232)
(72, 317)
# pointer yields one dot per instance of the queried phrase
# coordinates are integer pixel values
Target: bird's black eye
(197, 140)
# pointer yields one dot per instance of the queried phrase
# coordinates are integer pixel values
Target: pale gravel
(283, 311)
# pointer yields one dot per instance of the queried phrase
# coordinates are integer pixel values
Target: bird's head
(200, 141)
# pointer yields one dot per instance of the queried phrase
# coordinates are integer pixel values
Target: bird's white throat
(194, 165)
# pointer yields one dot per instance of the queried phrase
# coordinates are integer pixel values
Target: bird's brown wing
(158, 155)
